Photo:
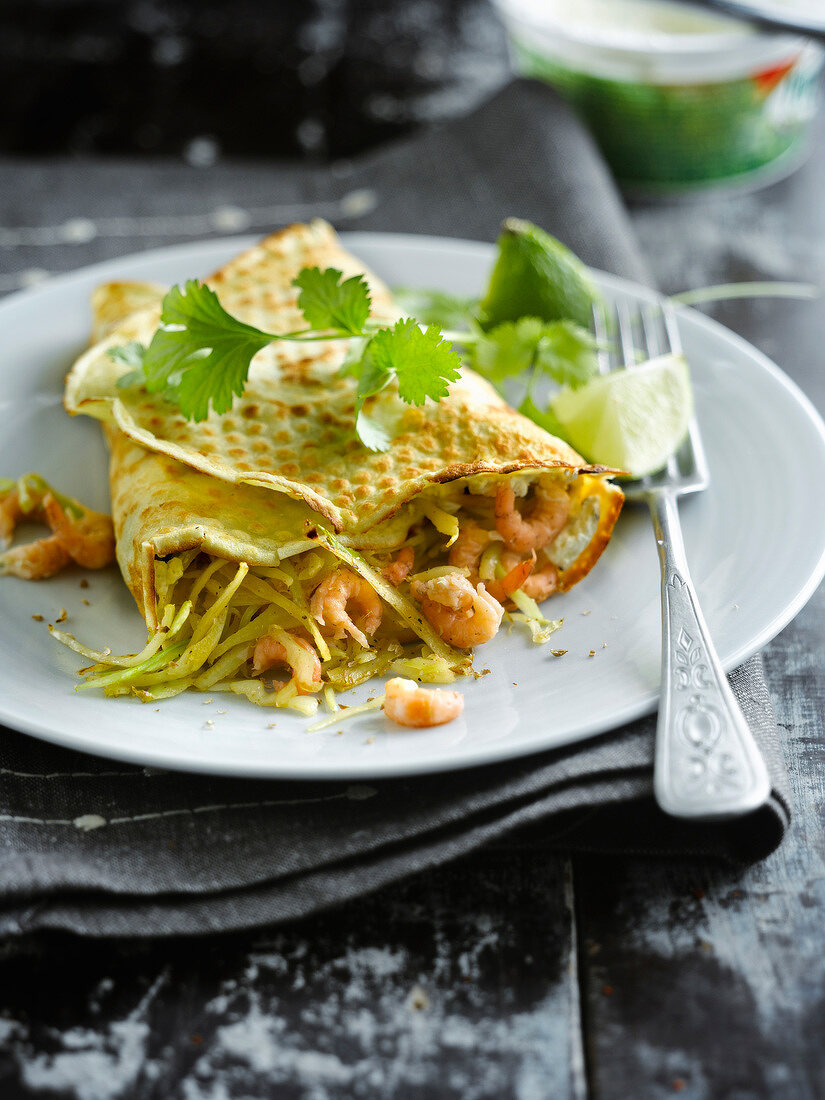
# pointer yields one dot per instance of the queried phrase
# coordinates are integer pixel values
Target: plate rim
(456, 760)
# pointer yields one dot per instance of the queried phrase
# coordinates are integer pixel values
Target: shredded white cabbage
(347, 712)
(212, 613)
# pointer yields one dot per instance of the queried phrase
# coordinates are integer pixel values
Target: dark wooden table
(511, 974)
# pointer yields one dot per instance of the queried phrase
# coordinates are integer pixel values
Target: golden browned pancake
(248, 484)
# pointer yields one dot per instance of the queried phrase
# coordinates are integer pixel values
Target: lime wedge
(632, 419)
(536, 276)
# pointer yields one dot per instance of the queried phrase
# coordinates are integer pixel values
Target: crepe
(162, 507)
(284, 469)
(292, 431)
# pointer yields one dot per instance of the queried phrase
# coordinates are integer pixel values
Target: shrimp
(410, 705)
(35, 561)
(516, 577)
(462, 615)
(306, 671)
(537, 585)
(467, 551)
(397, 571)
(11, 514)
(90, 540)
(468, 547)
(332, 597)
(549, 512)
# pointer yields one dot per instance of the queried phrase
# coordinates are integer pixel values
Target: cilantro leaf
(326, 302)
(373, 435)
(562, 350)
(130, 379)
(508, 349)
(372, 378)
(199, 356)
(373, 374)
(130, 355)
(566, 352)
(422, 361)
(200, 353)
(216, 377)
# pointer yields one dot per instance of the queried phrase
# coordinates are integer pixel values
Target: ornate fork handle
(707, 763)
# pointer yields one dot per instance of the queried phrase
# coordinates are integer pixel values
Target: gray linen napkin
(180, 853)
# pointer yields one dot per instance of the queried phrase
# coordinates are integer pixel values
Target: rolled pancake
(161, 507)
(246, 485)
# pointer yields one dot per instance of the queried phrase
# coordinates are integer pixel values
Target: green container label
(680, 135)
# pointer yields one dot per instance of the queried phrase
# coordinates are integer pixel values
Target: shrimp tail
(502, 589)
(398, 571)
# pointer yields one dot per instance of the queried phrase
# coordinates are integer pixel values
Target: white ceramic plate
(755, 540)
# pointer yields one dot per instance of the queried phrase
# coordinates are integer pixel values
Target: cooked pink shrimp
(467, 549)
(462, 615)
(306, 671)
(541, 524)
(397, 571)
(466, 553)
(36, 560)
(410, 705)
(89, 540)
(518, 573)
(537, 585)
(331, 599)
(11, 514)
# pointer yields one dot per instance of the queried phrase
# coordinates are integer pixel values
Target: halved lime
(536, 276)
(631, 419)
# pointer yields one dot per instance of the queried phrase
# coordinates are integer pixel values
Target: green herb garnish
(200, 355)
(329, 303)
(561, 350)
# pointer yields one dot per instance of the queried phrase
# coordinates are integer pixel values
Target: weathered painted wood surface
(457, 985)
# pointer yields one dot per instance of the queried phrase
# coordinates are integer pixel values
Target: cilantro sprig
(530, 348)
(200, 355)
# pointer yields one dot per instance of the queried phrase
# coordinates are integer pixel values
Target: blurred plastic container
(678, 97)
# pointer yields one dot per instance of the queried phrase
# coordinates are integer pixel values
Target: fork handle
(707, 764)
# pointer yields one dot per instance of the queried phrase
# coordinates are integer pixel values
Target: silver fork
(707, 764)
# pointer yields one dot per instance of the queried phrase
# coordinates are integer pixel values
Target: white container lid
(649, 41)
